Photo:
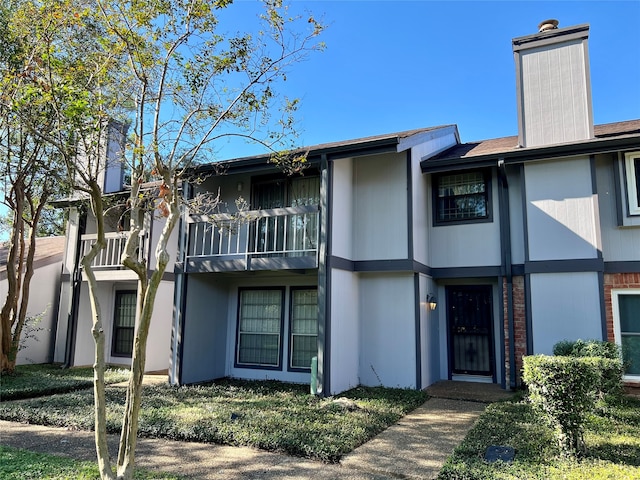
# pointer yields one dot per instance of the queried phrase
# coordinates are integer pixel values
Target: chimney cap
(550, 24)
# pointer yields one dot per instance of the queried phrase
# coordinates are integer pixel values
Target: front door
(469, 319)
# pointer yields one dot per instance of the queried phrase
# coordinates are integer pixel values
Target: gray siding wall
(387, 312)
(467, 245)
(205, 332)
(345, 331)
(564, 306)
(618, 243)
(555, 94)
(562, 218)
(516, 216)
(342, 223)
(379, 207)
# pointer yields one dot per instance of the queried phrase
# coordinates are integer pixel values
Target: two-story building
(404, 259)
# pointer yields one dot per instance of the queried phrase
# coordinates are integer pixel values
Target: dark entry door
(469, 316)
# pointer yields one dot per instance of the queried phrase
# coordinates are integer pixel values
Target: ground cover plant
(611, 435)
(17, 464)
(36, 380)
(264, 414)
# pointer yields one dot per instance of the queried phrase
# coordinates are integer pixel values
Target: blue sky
(397, 65)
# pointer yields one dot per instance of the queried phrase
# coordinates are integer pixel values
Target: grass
(612, 437)
(37, 380)
(269, 415)
(17, 464)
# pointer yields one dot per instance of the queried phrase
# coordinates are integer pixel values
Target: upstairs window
(632, 174)
(462, 197)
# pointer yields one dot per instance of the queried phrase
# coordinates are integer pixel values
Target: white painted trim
(616, 320)
(632, 182)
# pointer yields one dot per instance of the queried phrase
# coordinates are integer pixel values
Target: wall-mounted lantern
(432, 301)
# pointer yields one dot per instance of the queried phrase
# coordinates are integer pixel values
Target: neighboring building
(38, 335)
(401, 259)
(116, 284)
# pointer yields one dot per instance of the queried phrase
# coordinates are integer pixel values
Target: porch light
(432, 301)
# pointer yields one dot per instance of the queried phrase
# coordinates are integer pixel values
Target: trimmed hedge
(610, 368)
(563, 389)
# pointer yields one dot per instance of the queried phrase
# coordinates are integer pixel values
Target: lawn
(36, 380)
(612, 437)
(269, 415)
(16, 464)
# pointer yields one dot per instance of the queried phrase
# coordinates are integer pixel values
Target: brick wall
(519, 323)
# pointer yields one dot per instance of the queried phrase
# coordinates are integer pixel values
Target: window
(632, 174)
(259, 328)
(124, 322)
(462, 197)
(626, 312)
(304, 328)
(263, 338)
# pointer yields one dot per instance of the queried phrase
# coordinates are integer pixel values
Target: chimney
(553, 85)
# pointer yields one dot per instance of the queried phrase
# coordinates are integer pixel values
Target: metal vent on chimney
(547, 25)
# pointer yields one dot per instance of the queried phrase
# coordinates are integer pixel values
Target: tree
(186, 84)
(29, 166)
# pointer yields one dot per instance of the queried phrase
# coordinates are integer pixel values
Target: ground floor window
(626, 311)
(304, 328)
(264, 338)
(260, 327)
(124, 322)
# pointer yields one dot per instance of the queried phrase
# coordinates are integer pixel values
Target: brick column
(519, 324)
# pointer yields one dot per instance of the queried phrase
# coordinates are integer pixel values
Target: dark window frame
(116, 328)
(257, 366)
(631, 168)
(292, 289)
(487, 218)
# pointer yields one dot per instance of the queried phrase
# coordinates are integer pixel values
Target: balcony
(281, 238)
(109, 257)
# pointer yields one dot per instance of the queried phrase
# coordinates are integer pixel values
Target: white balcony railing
(110, 256)
(280, 232)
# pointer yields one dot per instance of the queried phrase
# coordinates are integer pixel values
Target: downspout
(76, 279)
(507, 270)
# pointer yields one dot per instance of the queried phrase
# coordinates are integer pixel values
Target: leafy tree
(30, 167)
(183, 83)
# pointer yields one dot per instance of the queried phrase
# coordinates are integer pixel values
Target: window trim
(254, 366)
(632, 183)
(615, 293)
(114, 327)
(292, 289)
(487, 176)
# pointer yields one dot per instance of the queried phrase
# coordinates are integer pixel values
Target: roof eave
(523, 155)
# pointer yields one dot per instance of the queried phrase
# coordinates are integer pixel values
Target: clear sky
(397, 65)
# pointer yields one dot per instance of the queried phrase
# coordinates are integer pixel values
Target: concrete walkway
(414, 448)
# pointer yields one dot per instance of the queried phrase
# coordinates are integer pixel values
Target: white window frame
(616, 320)
(632, 182)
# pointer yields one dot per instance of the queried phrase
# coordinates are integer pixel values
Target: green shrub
(610, 368)
(563, 390)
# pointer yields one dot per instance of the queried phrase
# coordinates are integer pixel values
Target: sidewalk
(414, 448)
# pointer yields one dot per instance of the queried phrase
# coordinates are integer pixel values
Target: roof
(333, 150)
(48, 250)
(608, 137)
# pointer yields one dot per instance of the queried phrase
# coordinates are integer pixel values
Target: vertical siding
(345, 331)
(618, 243)
(555, 94)
(341, 219)
(564, 306)
(205, 332)
(467, 245)
(387, 313)
(379, 207)
(562, 218)
(516, 217)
